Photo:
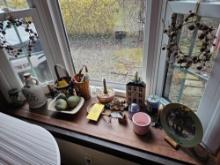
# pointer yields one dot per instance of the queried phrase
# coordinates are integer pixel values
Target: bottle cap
(26, 75)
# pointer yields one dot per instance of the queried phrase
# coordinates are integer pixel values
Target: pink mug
(141, 123)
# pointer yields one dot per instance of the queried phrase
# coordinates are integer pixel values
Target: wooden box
(135, 92)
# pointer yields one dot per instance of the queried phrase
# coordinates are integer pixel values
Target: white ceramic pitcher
(33, 92)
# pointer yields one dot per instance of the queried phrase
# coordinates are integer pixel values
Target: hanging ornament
(205, 35)
(13, 50)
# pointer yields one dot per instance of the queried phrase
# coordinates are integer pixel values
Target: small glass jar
(132, 109)
(16, 97)
(153, 103)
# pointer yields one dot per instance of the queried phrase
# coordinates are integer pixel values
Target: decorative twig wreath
(205, 35)
(14, 50)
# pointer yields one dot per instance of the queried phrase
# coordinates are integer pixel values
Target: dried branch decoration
(11, 49)
(206, 36)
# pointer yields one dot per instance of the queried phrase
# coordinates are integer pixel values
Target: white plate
(51, 107)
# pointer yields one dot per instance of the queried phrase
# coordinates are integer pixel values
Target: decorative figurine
(106, 95)
(122, 120)
(62, 82)
(120, 116)
(118, 104)
(135, 91)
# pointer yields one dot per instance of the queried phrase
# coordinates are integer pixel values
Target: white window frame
(210, 103)
(154, 31)
(154, 11)
(180, 7)
(54, 35)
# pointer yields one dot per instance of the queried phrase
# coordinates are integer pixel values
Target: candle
(153, 103)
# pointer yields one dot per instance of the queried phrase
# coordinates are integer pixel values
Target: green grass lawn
(128, 58)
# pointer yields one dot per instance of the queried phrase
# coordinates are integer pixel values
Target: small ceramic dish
(181, 124)
(141, 123)
(106, 98)
(51, 107)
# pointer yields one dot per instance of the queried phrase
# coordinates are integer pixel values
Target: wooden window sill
(116, 139)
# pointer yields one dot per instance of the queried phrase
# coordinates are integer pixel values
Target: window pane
(106, 35)
(187, 85)
(37, 63)
(196, 49)
(13, 4)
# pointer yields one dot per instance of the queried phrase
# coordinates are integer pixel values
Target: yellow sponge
(95, 112)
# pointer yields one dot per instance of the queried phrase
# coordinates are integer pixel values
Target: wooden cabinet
(76, 154)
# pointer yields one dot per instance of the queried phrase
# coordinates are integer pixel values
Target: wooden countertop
(115, 133)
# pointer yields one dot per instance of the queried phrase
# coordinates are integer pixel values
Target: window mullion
(51, 59)
(48, 35)
(61, 34)
(153, 31)
(162, 55)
